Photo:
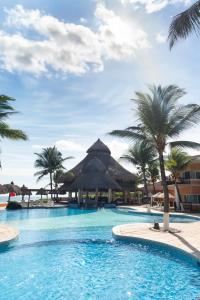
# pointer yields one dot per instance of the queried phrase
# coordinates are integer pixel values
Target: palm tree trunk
(145, 182)
(166, 193)
(154, 188)
(178, 194)
(51, 184)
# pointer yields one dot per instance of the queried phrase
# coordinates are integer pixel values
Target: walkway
(7, 233)
(187, 239)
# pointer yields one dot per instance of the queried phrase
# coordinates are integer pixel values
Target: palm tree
(161, 119)
(57, 176)
(141, 154)
(184, 23)
(176, 162)
(153, 173)
(7, 110)
(49, 161)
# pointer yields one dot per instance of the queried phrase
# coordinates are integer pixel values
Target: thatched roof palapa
(94, 175)
(3, 189)
(41, 191)
(25, 191)
(99, 170)
(11, 187)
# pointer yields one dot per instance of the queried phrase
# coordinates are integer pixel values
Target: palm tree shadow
(195, 251)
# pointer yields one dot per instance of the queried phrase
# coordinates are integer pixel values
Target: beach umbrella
(161, 196)
(156, 195)
(41, 192)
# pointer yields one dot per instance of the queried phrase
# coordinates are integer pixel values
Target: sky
(74, 65)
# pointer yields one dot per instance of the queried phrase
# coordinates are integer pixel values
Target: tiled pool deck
(7, 233)
(188, 239)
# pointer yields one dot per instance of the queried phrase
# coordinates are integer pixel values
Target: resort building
(99, 173)
(188, 186)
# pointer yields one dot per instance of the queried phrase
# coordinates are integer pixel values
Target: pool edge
(118, 235)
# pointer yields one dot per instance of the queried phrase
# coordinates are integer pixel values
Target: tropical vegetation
(49, 161)
(141, 154)
(184, 23)
(161, 119)
(176, 162)
(153, 173)
(7, 110)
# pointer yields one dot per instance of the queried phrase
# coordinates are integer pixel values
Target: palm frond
(184, 23)
(185, 144)
(183, 117)
(128, 134)
(13, 134)
(49, 161)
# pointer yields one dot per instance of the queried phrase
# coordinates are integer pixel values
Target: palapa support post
(125, 197)
(96, 195)
(29, 196)
(79, 196)
(109, 195)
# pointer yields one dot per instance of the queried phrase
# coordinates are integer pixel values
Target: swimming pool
(70, 254)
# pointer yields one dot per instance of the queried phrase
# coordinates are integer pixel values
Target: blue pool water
(70, 254)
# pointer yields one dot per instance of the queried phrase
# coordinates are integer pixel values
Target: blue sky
(73, 67)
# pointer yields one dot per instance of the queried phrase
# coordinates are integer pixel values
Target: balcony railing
(180, 181)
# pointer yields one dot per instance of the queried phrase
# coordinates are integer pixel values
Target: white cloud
(66, 47)
(152, 6)
(117, 148)
(161, 38)
(120, 39)
(69, 146)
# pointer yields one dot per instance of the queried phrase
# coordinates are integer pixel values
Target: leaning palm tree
(141, 154)
(49, 161)
(176, 162)
(7, 110)
(184, 23)
(161, 119)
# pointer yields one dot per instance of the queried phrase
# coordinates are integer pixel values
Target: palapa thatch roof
(3, 189)
(41, 191)
(11, 187)
(94, 175)
(25, 191)
(99, 169)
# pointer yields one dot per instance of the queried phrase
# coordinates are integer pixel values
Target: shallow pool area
(70, 254)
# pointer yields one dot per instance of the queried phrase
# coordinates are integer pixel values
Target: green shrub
(12, 205)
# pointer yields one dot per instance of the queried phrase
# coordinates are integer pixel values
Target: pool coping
(144, 210)
(7, 234)
(183, 241)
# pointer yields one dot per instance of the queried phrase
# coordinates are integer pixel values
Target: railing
(179, 181)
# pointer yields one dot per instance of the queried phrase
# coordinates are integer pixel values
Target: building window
(186, 175)
(192, 198)
(191, 175)
(198, 175)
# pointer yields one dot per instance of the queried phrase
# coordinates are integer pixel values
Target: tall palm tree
(161, 119)
(141, 154)
(176, 162)
(7, 110)
(57, 176)
(184, 23)
(49, 161)
(153, 173)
